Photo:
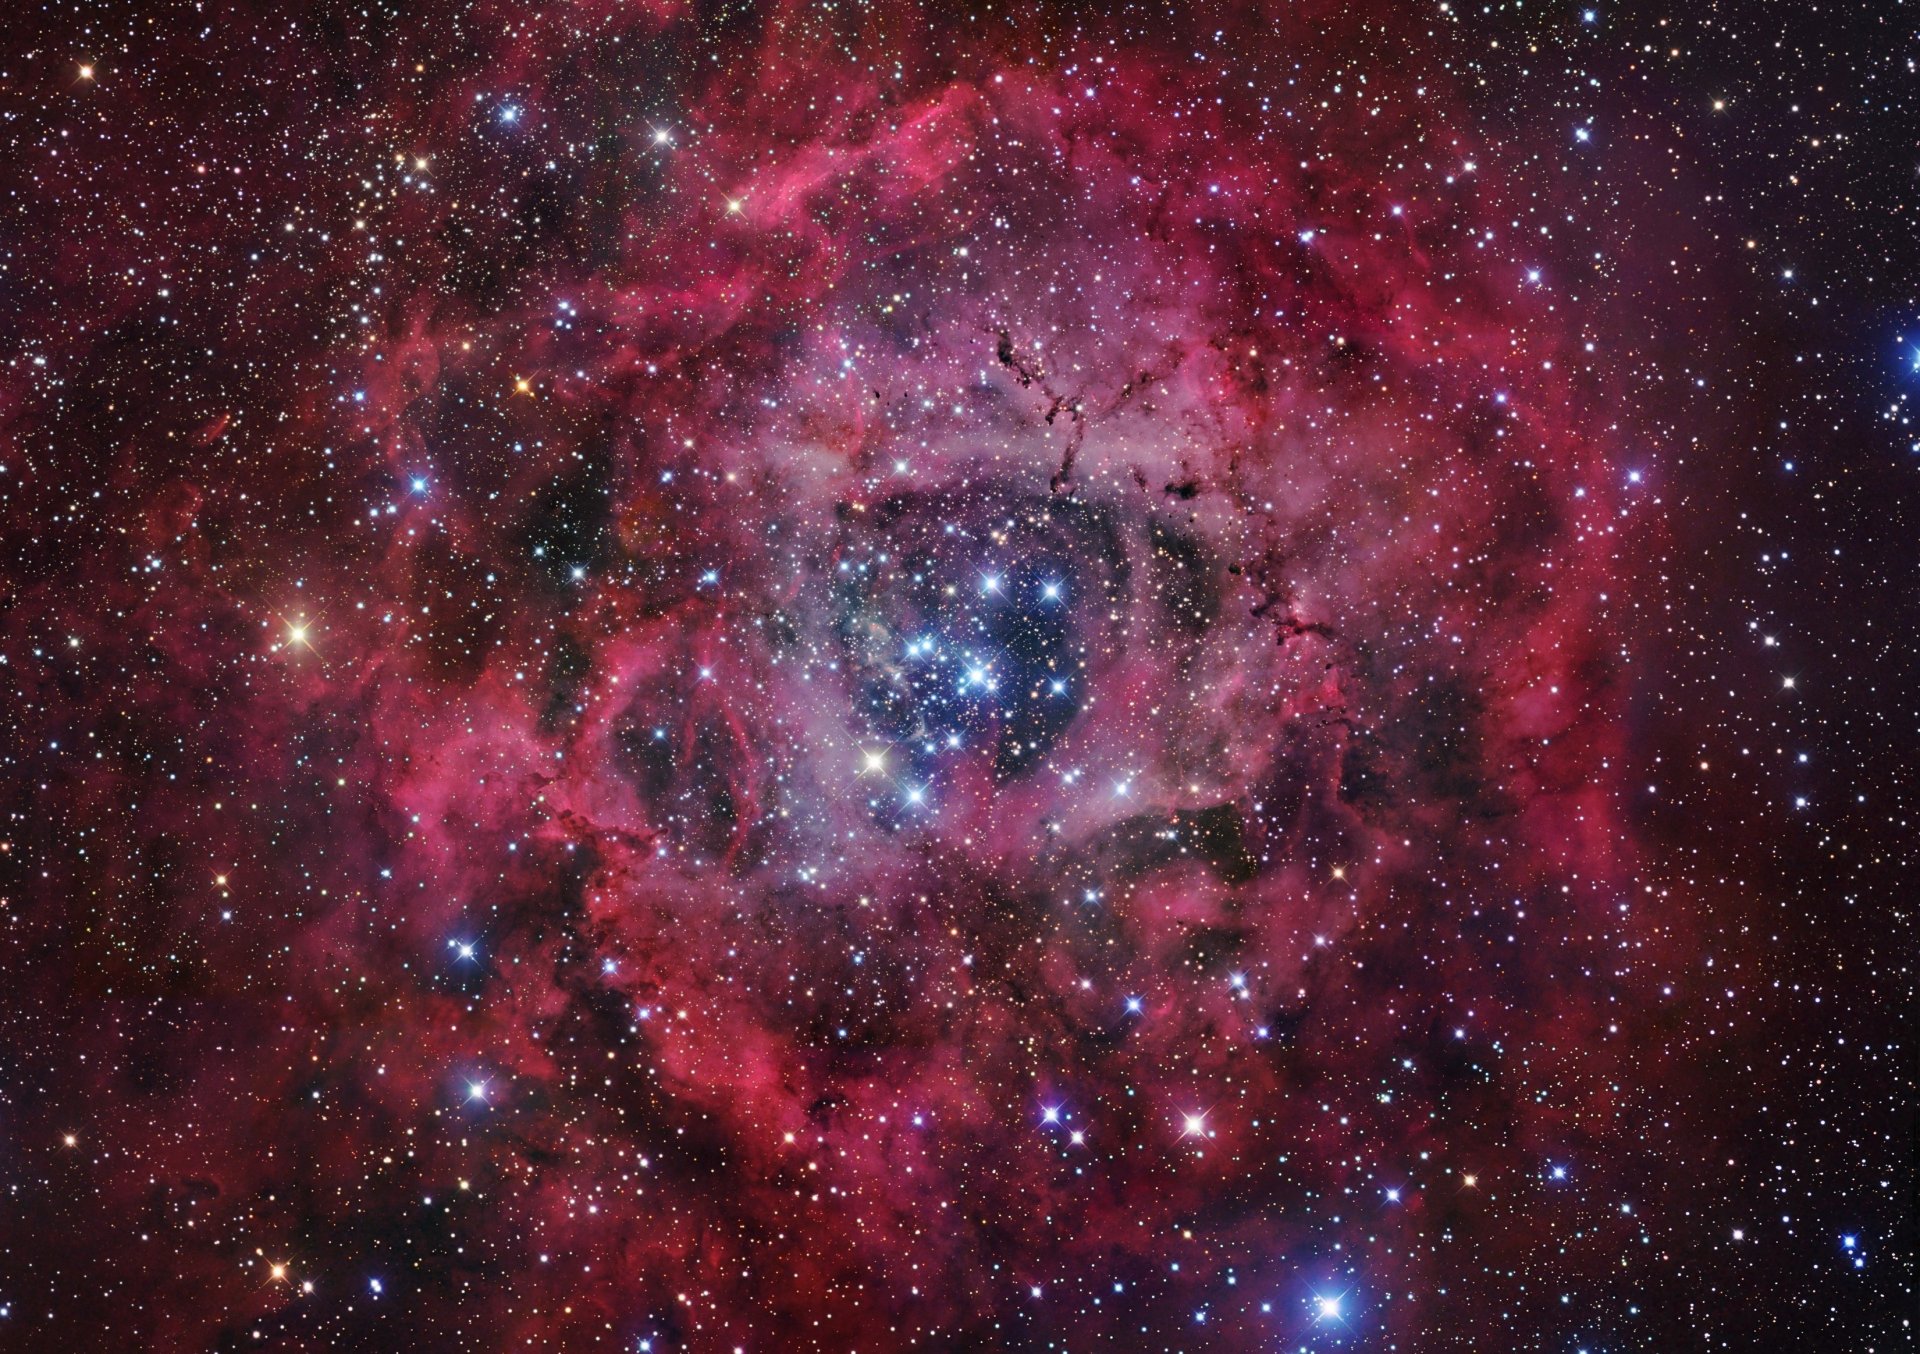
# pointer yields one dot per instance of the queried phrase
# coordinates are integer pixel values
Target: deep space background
(876, 676)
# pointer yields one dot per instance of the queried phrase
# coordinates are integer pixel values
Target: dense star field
(860, 677)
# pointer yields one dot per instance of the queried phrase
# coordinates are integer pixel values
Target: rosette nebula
(851, 677)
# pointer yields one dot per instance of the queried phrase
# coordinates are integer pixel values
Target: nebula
(831, 677)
